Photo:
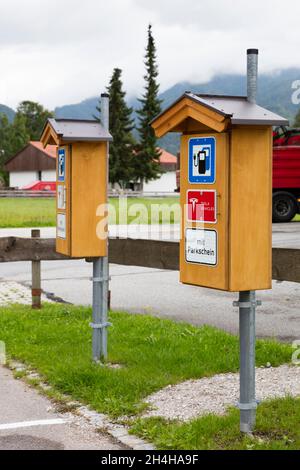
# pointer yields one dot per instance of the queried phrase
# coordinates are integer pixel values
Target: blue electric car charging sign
(202, 160)
(61, 165)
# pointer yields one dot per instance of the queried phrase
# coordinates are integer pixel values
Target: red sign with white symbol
(202, 206)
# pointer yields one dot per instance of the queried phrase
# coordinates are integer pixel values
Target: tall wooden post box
(225, 188)
(82, 184)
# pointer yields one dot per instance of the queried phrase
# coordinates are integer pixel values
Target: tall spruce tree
(147, 161)
(121, 150)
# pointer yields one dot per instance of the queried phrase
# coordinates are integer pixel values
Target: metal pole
(36, 288)
(247, 405)
(252, 71)
(247, 303)
(101, 275)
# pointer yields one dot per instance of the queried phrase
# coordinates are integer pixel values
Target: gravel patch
(14, 293)
(195, 398)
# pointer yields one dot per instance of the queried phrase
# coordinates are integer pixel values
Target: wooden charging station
(82, 169)
(226, 190)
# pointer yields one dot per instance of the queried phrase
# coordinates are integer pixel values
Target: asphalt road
(28, 421)
(143, 290)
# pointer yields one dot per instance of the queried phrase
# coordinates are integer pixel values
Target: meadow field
(40, 212)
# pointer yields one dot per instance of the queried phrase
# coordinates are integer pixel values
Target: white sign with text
(201, 246)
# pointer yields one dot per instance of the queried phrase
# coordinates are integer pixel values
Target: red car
(41, 186)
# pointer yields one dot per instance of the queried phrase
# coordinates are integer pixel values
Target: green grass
(40, 212)
(277, 428)
(56, 341)
(27, 212)
(145, 210)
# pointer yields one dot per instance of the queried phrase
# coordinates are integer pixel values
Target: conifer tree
(121, 150)
(147, 161)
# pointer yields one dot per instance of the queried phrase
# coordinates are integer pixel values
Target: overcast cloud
(63, 51)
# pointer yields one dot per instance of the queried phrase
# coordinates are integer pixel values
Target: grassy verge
(153, 353)
(23, 212)
(277, 429)
(40, 212)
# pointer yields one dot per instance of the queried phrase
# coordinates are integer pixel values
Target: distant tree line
(130, 161)
(27, 125)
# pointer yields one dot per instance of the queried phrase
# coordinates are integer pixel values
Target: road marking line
(29, 424)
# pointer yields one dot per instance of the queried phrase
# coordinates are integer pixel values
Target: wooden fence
(129, 252)
(22, 193)
(19, 193)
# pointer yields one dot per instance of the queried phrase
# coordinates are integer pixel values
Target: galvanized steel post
(252, 71)
(101, 274)
(247, 303)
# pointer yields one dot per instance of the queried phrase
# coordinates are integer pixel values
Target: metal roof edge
(90, 121)
(259, 122)
(85, 139)
(213, 95)
(49, 121)
(206, 105)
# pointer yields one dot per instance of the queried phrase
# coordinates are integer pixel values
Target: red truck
(286, 174)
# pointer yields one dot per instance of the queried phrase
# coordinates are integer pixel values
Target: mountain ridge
(9, 112)
(274, 93)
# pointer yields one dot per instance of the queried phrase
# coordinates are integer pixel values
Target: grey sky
(63, 51)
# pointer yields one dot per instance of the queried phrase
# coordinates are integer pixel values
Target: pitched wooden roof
(57, 131)
(33, 157)
(49, 150)
(212, 112)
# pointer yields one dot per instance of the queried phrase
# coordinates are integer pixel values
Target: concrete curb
(99, 421)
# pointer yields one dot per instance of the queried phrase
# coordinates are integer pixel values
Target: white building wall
(166, 183)
(49, 175)
(18, 179)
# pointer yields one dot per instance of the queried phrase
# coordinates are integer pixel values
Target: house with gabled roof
(32, 163)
